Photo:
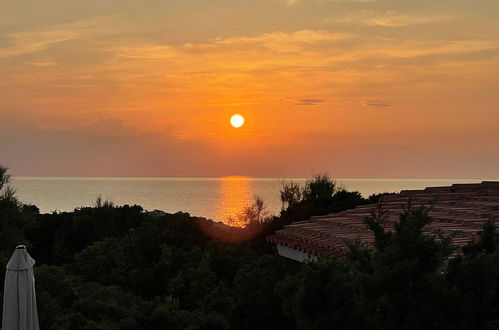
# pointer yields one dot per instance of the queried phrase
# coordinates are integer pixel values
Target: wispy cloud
(310, 101)
(35, 40)
(376, 104)
(278, 42)
(389, 18)
(293, 2)
(42, 63)
(151, 52)
(284, 41)
(300, 36)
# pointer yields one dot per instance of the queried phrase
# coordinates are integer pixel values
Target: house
(459, 211)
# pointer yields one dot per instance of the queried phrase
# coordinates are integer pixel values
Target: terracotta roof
(459, 210)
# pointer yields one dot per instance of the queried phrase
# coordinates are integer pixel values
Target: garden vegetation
(117, 267)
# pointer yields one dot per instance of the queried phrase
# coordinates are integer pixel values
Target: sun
(237, 120)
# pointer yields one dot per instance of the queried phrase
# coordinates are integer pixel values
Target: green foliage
(319, 189)
(104, 307)
(16, 220)
(322, 296)
(53, 294)
(376, 222)
(291, 194)
(61, 236)
(103, 203)
(115, 267)
(4, 176)
(320, 195)
(252, 215)
(399, 281)
(257, 304)
(376, 198)
(489, 240)
(475, 276)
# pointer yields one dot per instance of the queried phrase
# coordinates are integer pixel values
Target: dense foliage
(116, 267)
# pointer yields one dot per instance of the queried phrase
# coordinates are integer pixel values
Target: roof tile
(460, 209)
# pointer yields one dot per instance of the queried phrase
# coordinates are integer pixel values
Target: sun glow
(237, 120)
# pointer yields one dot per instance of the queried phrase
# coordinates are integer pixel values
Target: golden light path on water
(235, 195)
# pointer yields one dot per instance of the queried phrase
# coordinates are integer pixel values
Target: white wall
(295, 254)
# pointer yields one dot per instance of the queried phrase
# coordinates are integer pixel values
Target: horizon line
(243, 176)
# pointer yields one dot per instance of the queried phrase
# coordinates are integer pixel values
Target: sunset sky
(388, 88)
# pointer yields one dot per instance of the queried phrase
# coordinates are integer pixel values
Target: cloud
(276, 42)
(310, 101)
(324, 49)
(376, 104)
(147, 52)
(300, 36)
(30, 42)
(293, 2)
(389, 18)
(38, 39)
(42, 63)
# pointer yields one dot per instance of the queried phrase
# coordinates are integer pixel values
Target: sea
(220, 198)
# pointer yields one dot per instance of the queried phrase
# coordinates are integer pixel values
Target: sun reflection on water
(235, 195)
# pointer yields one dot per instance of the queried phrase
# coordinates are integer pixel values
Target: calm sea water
(214, 198)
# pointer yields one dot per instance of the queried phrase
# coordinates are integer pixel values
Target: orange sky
(358, 88)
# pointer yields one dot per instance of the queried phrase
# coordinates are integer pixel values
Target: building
(459, 210)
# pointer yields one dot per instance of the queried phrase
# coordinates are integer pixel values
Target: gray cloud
(310, 101)
(376, 104)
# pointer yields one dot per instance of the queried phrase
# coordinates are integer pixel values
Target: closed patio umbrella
(19, 299)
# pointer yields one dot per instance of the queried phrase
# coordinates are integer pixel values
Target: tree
(15, 218)
(489, 239)
(474, 276)
(318, 196)
(291, 194)
(7, 192)
(400, 283)
(376, 223)
(252, 216)
(319, 189)
(258, 306)
(256, 212)
(4, 177)
(322, 296)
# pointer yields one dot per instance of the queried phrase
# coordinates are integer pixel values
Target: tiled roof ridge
(459, 209)
(456, 187)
